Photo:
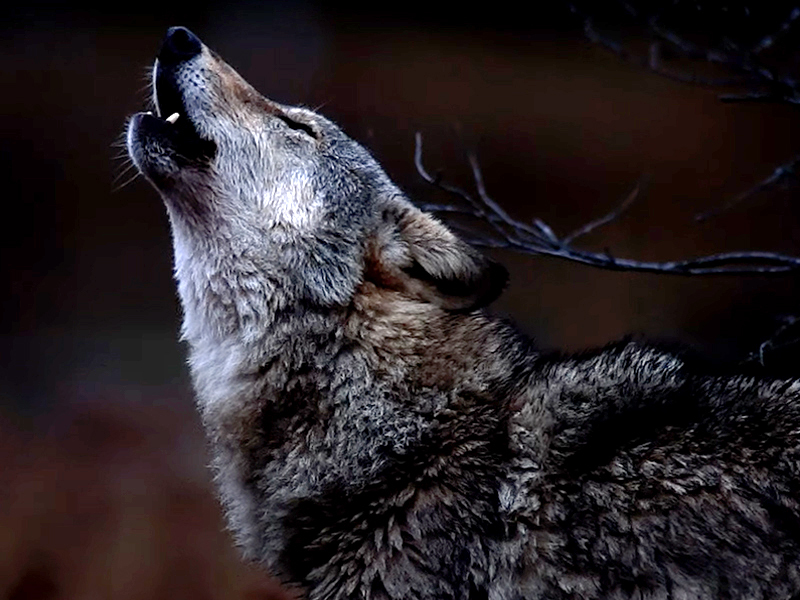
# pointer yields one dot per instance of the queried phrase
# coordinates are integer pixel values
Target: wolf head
(275, 206)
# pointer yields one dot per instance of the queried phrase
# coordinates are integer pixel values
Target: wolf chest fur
(376, 435)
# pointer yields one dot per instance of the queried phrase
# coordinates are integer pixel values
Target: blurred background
(104, 491)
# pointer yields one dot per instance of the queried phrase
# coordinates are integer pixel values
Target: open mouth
(172, 123)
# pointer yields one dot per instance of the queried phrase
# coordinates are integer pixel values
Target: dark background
(103, 488)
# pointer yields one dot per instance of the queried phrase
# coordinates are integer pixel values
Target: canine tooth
(172, 118)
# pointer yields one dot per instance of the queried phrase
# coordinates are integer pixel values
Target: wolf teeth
(172, 118)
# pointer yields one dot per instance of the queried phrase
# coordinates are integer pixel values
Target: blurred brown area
(113, 501)
(103, 487)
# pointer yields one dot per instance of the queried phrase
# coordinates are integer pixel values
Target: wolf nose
(179, 45)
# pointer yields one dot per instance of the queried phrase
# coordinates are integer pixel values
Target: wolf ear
(415, 253)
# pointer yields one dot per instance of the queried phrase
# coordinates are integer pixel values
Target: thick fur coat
(377, 436)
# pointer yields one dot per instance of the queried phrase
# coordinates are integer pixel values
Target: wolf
(377, 435)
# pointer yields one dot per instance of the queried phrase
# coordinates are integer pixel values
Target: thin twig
(486, 209)
(605, 219)
(783, 174)
(775, 342)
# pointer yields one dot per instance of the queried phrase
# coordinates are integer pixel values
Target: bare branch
(763, 84)
(540, 239)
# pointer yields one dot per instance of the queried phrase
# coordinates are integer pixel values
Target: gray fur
(376, 435)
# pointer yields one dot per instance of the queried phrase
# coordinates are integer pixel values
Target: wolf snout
(179, 45)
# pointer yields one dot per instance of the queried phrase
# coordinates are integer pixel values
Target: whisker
(122, 172)
(127, 182)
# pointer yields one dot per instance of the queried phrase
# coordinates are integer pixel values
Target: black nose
(179, 45)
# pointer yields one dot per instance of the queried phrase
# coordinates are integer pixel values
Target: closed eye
(298, 126)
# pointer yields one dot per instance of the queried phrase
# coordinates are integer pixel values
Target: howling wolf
(377, 436)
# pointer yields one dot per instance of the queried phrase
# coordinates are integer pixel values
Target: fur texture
(377, 436)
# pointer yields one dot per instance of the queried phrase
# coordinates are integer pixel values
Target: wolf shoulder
(631, 394)
(652, 474)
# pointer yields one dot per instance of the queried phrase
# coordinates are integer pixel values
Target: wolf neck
(222, 293)
(230, 303)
